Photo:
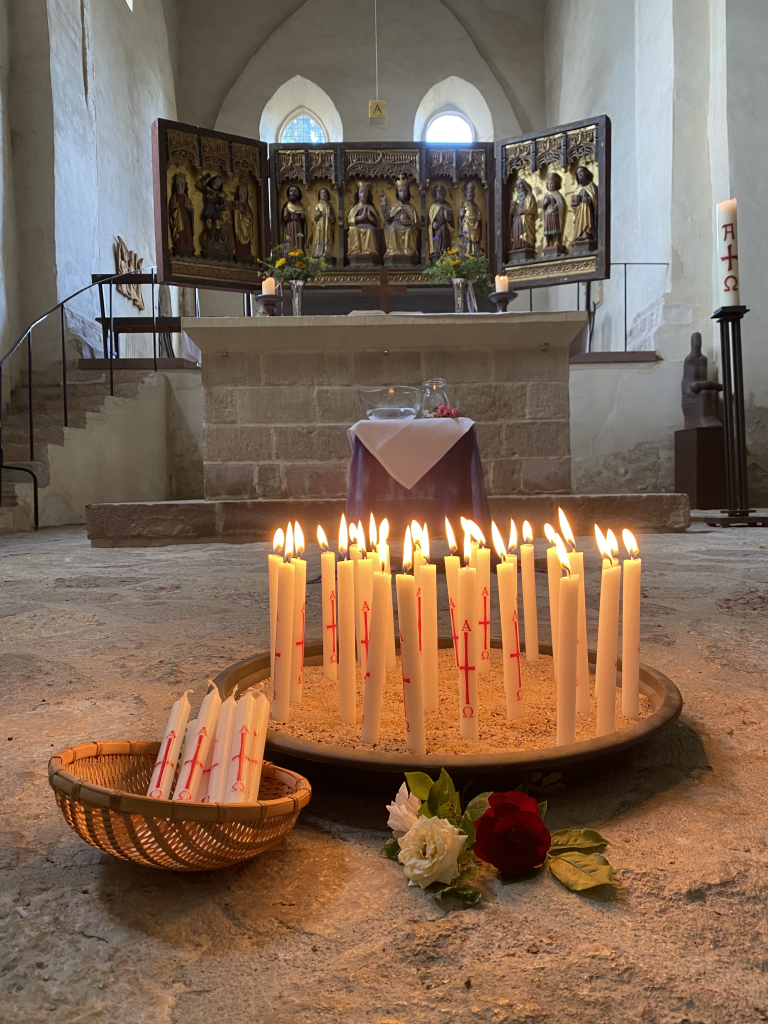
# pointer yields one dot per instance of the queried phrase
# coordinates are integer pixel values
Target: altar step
(156, 523)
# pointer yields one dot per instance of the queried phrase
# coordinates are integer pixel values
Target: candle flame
(550, 534)
(527, 532)
(630, 543)
(361, 538)
(425, 542)
(473, 530)
(565, 529)
(383, 531)
(451, 537)
(289, 542)
(602, 544)
(372, 531)
(498, 543)
(352, 533)
(343, 536)
(407, 550)
(512, 536)
(613, 544)
(562, 554)
(298, 534)
(279, 540)
(322, 540)
(467, 547)
(415, 534)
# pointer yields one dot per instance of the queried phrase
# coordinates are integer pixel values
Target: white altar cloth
(409, 448)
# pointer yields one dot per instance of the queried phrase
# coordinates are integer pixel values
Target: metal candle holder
(502, 299)
(269, 302)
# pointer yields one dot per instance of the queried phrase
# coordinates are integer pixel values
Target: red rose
(511, 834)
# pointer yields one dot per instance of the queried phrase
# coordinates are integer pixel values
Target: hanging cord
(376, 44)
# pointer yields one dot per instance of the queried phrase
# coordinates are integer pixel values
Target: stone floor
(322, 930)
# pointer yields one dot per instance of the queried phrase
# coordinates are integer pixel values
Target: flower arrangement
(285, 264)
(457, 262)
(439, 845)
(445, 411)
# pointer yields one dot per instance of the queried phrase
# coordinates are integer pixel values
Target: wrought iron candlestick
(502, 299)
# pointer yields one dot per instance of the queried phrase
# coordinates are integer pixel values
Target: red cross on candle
(165, 762)
(517, 655)
(485, 621)
(366, 639)
(466, 668)
(300, 643)
(193, 761)
(332, 624)
(730, 256)
(238, 785)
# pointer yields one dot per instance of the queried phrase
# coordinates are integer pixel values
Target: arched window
(303, 128)
(449, 126)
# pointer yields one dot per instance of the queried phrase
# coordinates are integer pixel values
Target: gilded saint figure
(523, 212)
(584, 206)
(553, 212)
(324, 225)
(440, 219)
(243, 224)
(294, 218)
(363, 224)
(471, 221)
(181, 217)
(401, 225)
(214, 241)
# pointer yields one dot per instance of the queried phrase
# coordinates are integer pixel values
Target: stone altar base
(157, 523)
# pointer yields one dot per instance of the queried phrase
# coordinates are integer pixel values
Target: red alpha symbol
(165, 762)
(731, 256)
(728, 232)
(466, 668)
(418, 598)
(731, 287)
(332, 626)
(454, 633)
(300, 643)
(366, 639)
(485, 623)
(517, 655)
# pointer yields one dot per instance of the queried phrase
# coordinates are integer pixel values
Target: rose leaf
(550, 780)
(542, 809)
(438, 889)
(578, 871)
(465, 856)
(468, 873)
(469, 895)
(576, 839)
(419, 784)
(467, 825)
(477, 807)
(390, 849)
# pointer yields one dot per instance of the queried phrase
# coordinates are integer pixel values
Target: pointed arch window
(303, 127)
(449, 126)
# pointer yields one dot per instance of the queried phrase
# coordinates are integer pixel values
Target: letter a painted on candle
(728, 232)
(453, 631)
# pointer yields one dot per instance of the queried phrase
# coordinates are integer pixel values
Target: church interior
(383, 478)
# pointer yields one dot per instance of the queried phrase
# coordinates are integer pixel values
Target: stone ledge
(156, 523)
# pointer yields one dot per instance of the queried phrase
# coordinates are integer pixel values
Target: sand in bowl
(317, 717)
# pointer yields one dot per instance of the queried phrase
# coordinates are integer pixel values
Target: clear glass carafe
(435, 395)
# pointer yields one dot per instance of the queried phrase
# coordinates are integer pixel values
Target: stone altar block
(280, 394)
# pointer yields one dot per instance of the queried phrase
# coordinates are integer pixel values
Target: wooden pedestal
(700, 466)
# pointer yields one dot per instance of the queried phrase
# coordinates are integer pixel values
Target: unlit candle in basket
(168, 756)
(568, 629)
(411, 663)
(241, 756)
(467, 630)
(528, 576)
(607, 634)
(262, 724)
(373, 680)
(196, 748)
(630, 630)
(330, 620)
(299, 615)
(345, 592)
(506, 575)
(576, 559)
(222, 745)
(452, 564)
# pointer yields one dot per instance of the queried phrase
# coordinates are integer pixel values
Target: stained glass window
(303, 129)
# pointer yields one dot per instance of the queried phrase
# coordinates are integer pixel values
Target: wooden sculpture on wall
(553, 211)
(181, 217)
(242, 216)
(213, 238)
(401, 226)
(524, 214)
(584, 206)
(440, 221)
(294, 218)
(324, 226)
(128, 262)
(471, 222)
(363, 220)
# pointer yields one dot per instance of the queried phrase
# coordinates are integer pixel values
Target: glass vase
(459, 293)
(297, 297)
(435, 395)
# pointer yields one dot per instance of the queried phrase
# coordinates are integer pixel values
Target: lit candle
(528, 576)
(727, 254)
(281, 681)
(452, 563)
(383, 549)
(375, 673)
(299, 615)
(427, 596)
(373, 533)
(355, 555)
(467, 622)
(418, 557)
(345, 588)
(576, 559)
(261, 726)
(480, 559)
(197, 746)
(364, 567)
(330, 624)
(268, 286)
(274, 561)
(554, 572)
(506, 576)
(168, 755)
(630, 630)
(607, 634)
(568, 619)
(502, 283)
(222, 746)
(241, 755)
(411, 663)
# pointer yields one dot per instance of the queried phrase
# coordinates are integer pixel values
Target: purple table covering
(454, 487)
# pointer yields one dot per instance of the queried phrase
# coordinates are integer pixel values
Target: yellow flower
(455, 263)
(298, 252)
(280, 262)
(452, 251)
(300, 264)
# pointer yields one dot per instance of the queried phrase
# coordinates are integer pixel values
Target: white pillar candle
(345, 590)
(281, 681)
(168, 755)
(268, 286)
(273, 562)
(222, 746)
(528, 577)
(467, 623)
(429, 656)
(630, 631)
(383, 551)
(727, 254)
(355, 555)
(240, 770)
(373, 682)
(364, 573)
(330, 620)
(299, 616)
(483, 583)
(196, 748)
(261, 726)
(502, 283)
(554, 573)
(452, 564)
(568, 617)
(413, 704)
(607, 639)
(576, 559)
(506, 575)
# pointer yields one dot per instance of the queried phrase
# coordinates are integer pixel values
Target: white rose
(404, 812)
(429, 852)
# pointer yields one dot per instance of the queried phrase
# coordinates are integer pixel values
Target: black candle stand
(738, 512)
(502, 299)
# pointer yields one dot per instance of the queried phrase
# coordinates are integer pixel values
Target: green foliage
(456, 262)
(576, 839)
(390, 849)
(542, 809)
(419, 784)
(579, 871)
(477, 807)
(466, 894)
(286, 264)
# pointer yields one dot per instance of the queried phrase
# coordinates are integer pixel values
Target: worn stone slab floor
(96, 644)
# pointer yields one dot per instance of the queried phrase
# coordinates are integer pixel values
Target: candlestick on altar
(373, 680)
(281, 680)
(727, 254)
(168, 755)
(467, 629)
(607, 634)
(426, 596)
(241, 756)
(506, 576)
(383, 551)
(299, 615)
(528, 576)
(576, 559)
(345, 591)
(452, 564)
(196, 748)
(273, 562)
(630, 630)
(568, 626)
(222, 747)
(330, 624)
(554, 572)
(411, 663)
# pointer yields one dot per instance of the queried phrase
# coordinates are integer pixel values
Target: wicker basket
(100, 789)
